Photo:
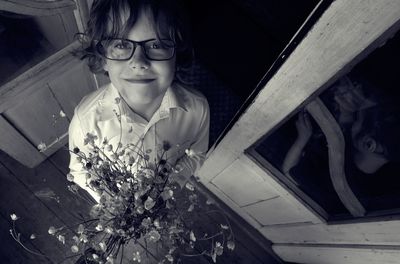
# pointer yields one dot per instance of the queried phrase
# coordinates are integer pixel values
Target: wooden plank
(344, 34)
(18, 146)
(372, 233)
(238, 178)
(328, 254)
(70, 25)
(38, 118)
(276, 211)
(35, 217)
(49, 185)
(82, 14)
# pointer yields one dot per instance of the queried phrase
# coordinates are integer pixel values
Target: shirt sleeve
(195, 156)
(76, 137)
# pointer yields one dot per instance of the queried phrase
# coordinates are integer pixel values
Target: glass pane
(299, 150)
(27, 40)
(364, 106)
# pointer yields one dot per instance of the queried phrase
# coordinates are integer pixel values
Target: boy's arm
(195, 156)
(76, 137)
(304, 132)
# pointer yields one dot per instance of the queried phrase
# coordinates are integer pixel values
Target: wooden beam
(333, 254)
(382, 232)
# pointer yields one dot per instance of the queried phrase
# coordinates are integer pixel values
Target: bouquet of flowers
(138, 201)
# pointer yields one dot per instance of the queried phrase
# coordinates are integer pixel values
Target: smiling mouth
(139, 81)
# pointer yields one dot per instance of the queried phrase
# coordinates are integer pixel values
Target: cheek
(114, 69)
(167, 70)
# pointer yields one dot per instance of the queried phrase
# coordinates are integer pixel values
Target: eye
(121, 45)
(155, 45)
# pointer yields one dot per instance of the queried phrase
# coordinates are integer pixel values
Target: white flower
(230, 245)
(62, 114)
(170, 258)
(61, 238)
(103, 246)
(109, 230)
(177, 168)
(189, 186)
(149, 203)
(42, 146)
(81, 228)
(154, 236)
(14, 217)
(190, 152)
(52, 230)
(110, 259)
(192, 236)
(224, 227)
(109, 147)
(74, 249)
(209, 202)
(99, 227)
(148, 173)
(136, 256)
(156, 223)
(70, 177)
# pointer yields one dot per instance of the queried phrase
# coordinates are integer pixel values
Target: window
(339, 153)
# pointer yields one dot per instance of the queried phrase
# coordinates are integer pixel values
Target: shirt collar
(173, 98)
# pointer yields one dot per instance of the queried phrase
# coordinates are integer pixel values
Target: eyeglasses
(123, 49)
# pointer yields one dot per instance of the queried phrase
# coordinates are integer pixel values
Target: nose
(139, 60)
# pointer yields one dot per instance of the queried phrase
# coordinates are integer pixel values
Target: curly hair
(114, 18)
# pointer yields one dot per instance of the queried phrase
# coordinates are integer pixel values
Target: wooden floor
(40, 198)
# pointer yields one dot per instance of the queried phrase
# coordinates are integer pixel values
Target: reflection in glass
(370, 120)
(299, 150)
(366, 110)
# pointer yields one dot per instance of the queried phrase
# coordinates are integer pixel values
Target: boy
(139, 44)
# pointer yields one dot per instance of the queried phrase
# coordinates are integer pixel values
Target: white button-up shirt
(182, 120)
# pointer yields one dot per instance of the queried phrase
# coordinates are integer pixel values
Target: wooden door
(37, 103)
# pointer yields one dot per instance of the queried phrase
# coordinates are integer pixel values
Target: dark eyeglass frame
(99, 46)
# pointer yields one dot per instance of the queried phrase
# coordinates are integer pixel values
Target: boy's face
(138, 79)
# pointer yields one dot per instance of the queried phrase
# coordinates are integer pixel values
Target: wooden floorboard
(35, 217)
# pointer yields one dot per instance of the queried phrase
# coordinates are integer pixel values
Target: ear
(369, 144)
